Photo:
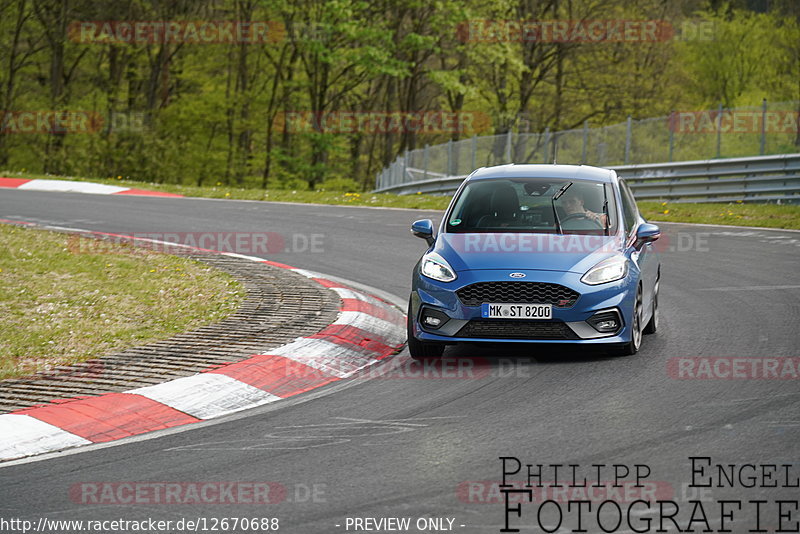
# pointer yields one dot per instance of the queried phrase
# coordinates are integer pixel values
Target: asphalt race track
(429, 447)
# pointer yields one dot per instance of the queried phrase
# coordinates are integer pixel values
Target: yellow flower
(227, 194)
(108, 265)
(219, 183)
(666, 212)
(152, 270)
(119, 177)
(663, 203)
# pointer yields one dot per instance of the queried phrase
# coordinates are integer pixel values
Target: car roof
(530, 170)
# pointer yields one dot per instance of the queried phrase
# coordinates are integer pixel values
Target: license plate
(516, 311)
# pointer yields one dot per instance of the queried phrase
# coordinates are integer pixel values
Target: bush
(347, 185)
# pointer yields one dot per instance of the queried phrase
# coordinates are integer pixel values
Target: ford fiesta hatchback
(536, 254)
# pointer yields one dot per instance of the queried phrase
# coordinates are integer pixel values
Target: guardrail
(753, 179)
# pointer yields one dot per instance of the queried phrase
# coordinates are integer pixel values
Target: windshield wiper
(553, 203)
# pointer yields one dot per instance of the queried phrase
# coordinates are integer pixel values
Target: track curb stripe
(206, 395)
(278, 375)
(24, 435)
(367, 330)
(325, 356)
(381, 312)
(110, 416)
(13, 183)
(74, 186)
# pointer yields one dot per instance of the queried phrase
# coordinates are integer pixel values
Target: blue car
(536, 254)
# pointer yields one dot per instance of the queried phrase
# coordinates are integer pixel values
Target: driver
(573, 205)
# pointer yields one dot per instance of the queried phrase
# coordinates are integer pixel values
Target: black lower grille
(516, 329)
(518, 293)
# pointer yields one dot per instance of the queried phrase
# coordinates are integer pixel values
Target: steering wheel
(582, 216)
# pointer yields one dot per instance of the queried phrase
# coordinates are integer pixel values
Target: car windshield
(535, 205)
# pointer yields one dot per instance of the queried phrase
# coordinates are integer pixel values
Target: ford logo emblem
(517, 275)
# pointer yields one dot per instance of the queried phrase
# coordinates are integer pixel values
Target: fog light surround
(432, 319)
(606, 321)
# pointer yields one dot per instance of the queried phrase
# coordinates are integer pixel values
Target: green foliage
(346, 185)
(202, 114)
(728, 62)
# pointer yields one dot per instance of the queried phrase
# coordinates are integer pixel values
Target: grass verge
(63, 301)
(741, 214)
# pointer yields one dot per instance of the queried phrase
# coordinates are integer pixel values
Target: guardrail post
(546, 144)
(763, 144)
(719, 129)
(405, 165)
(508, 147)
(555, 147)
(474, 152)
(425, 162)
(585, 141)
(671, 127)
(628, 141)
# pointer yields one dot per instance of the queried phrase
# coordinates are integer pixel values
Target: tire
(652, 325)
(632, 347)
(420, 350)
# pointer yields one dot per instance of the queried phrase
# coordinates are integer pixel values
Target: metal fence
(756, 179)
(682, 136)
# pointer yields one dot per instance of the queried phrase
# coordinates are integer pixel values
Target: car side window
(628, 207)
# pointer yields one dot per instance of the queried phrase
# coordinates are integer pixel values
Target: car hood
(518, 251)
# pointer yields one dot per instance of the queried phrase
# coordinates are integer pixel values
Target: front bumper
(568, 325)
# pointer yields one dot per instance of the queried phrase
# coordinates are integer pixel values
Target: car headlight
(436, 267)
(608, 270)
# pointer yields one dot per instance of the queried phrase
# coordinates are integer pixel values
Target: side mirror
(424, 229)
(647, 233)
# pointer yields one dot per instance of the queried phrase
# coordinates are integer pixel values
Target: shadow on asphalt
(522, 353)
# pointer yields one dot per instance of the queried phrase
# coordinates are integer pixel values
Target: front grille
(518, 293)
(516, 329)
